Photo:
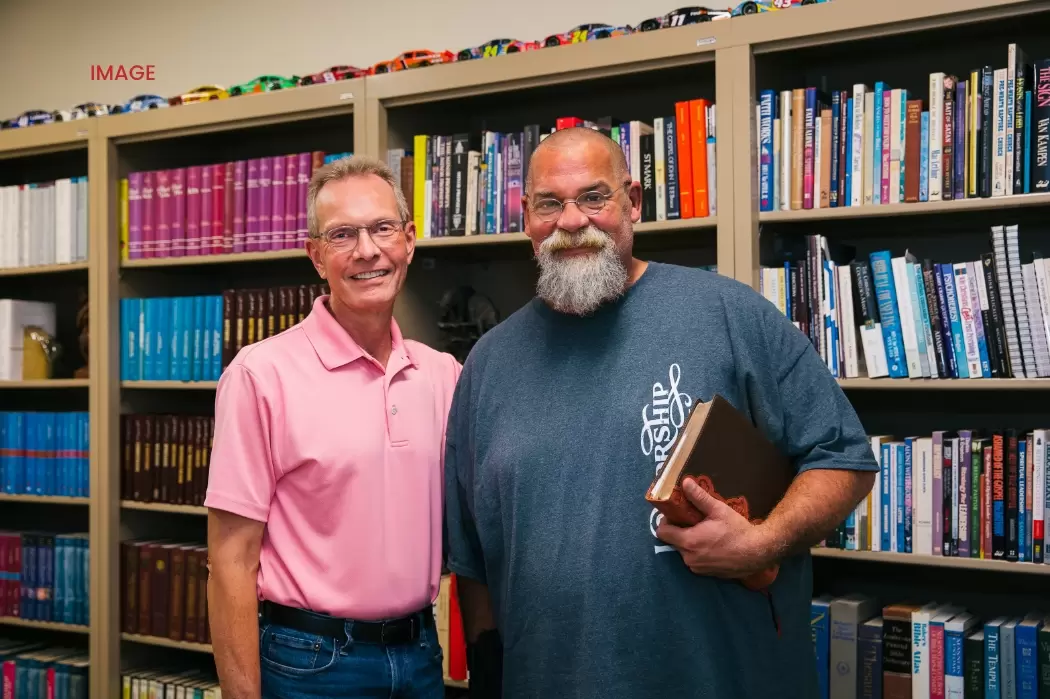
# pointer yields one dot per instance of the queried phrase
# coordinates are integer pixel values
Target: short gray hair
(351, 166)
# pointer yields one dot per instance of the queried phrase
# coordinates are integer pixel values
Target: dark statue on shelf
(465, 316)
(83, 338)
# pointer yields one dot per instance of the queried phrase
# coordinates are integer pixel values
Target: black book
(648, 157)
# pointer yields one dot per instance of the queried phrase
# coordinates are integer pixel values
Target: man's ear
(634, 193)
(410, 240)
(313, 249)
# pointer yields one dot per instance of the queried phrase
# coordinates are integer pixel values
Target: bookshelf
(636, 77)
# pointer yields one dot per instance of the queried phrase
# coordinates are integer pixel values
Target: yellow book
(123, 193)
(419, 175)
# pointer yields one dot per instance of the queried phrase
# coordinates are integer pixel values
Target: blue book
(124, 321)
(848, 193)
(886, 296)
(1027, 661)
(130, 309)
(61, 592)
(198, 336)
(902, 131)
(1008, 659)
(175, 346)
(992, 681)
(1027, 141)
(947, 275)
(208, 321)
(16, 463)
(216, 337)
(186, 353)
(146, 344)
(84, 426)
(884, 498)
(914, 287)
(903, 455)
(31, 436)
(820, 630)
(766, 107)
(876, 150)
(925, 327)
(924, 157)
(163, 338)
(869, 652)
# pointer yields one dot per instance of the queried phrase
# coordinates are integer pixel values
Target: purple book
(162, 224)
(218, 201)
(205, 219)
(965, 440)
(227, 207)
(251, 222)
(962, 137)
(240, 175)
(300, 199)
(134, 215)
(178, 212)
(265, 215)
(277, 205)
(291, 192)
(193, 210)
(938, 493)
(148, 246)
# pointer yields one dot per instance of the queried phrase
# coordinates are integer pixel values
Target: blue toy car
(141, 103)
(754, 7)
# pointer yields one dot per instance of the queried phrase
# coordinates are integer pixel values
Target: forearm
(475, 608)
(815, 503)
(233, 613)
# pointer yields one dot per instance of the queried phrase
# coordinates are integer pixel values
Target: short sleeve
(821, 427)
(242, 476)
(463, 552)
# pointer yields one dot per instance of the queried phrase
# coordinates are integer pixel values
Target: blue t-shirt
(558, 426)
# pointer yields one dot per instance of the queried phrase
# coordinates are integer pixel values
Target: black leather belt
(390, 632)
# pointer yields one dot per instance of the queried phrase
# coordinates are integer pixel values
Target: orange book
(685, 161)
(698, 141)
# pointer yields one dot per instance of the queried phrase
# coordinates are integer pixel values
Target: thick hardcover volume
(911, 155)
(896, 651)
(731, 459)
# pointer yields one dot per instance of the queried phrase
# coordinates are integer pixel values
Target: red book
(227, 208)
(291, 200)
(148, 211)
(134, 215)
(251, 221)
(277, 178)
(206, 206)
(218, 207)
(178, 212)
(193, 210)
(264, 215)
(685, 161)
(240, 175)
(162, 225)
(698, 139)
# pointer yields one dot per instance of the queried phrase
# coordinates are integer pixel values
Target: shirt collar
(336, 348)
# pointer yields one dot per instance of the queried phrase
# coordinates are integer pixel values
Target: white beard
(580, 284)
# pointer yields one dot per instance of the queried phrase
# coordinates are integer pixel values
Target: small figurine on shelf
(83, 339)
(39, 351)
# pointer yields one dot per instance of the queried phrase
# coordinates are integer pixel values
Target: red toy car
(333, 74)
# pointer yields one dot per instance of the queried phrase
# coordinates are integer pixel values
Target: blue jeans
(297, 665)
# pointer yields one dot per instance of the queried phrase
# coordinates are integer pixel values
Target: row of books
(194, 338)
(938, 649)
(149, 682)
(963, 493)
(470, 184)
(165, 590)
(35, 670)
(978, 135)
(43, 453)
(901, 317)
(250, 205)
(165, 458)
(44, 223)
(44, 576)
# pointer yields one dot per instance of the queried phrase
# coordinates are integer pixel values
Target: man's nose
(571, 218)
(366, 248)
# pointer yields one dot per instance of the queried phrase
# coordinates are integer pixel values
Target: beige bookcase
(639, 76)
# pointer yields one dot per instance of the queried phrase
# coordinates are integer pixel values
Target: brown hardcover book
(161, 589)
(183, 458)
(229, 311)
(202, 482)
(158, 455)
(250, 317)
(129, 555)
(728, 457)
(127, 452)
(302, 303)
(190, 625)
(241, 325)
(260, 314)
(282, 309)
(896, 650)
(203, 632)
(173, 467)
(177, 595)
(408, 181)
(271, 311)
(145, 550)
(138, 429)
(165, 458)
(316, 161)
(195, 474)
(912, 146)
(148, 425)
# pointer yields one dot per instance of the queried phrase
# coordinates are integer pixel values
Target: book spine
(1039, 125)
(206, 218)
(252, 206)
(291, 200)
(263, 213)
(278, 180)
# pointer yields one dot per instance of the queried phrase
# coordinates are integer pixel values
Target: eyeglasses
(590, 203)
(345, 238)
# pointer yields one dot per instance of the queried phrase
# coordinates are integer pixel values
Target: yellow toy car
(204, 93)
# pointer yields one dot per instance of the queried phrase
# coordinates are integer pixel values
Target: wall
(48, 46)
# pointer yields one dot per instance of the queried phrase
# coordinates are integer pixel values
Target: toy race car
(263, 83)
(412, 59)
(753, 7)
(204, 93)
(35, 117)
(496, 47)
(141, 103)
(575, 35)
(93, 109)
(604, 31)
(683, 16)
(333, 74)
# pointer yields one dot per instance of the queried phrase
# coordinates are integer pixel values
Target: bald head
(578, 141)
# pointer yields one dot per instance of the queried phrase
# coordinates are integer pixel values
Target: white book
(898, 121)
(1020, 301)
(712, 163)
(895, 464)
(874, 345)
(871, 186)
(64, 242)
(920, 650)
(857, 176)
(847, 613)
(473, 160)
(660, 167)
(907, 317)
(1011, 75)
(999, 90)
(3, 228)
(1035, 319)
(936, 103)
(876, 493)
(961, 273)
(1043, 290)
(848, 332)
(785, 150)
(922, 498)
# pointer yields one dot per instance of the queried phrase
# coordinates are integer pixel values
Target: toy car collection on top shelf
(404, 61)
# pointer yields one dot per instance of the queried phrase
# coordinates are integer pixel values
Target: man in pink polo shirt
(325, 494)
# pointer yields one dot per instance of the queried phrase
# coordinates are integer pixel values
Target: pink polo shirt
(343, 461)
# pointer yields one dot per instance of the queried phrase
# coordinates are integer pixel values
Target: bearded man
(570, 583)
